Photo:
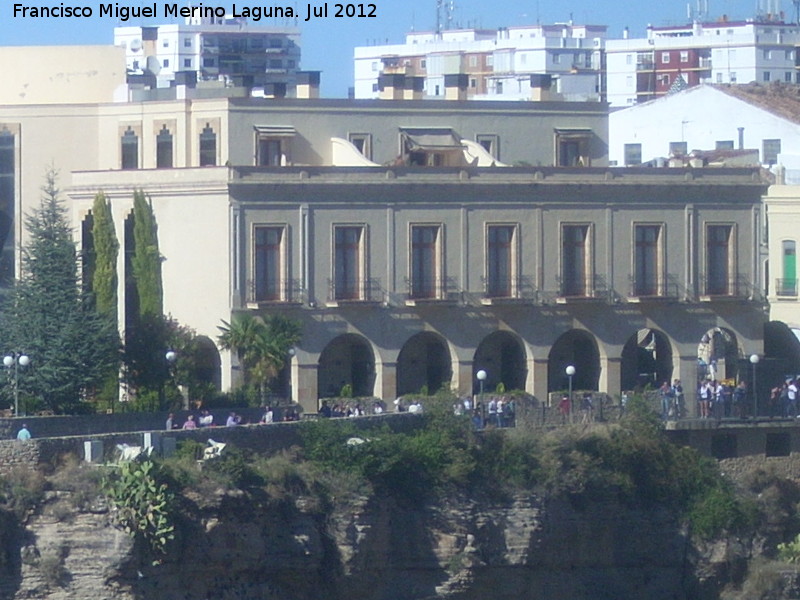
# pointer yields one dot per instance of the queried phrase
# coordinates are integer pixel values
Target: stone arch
(502, 355)
(579, 349)
(208, 362)
(718, 355)
(348, 359)
(781, 351)
(424, 361)
(646, 359)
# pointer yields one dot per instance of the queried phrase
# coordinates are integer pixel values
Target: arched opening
(424, 363)
(346, 361)
(718, 355)
(646, 360)
(781, 353)
(502, 356)
(578, 349)
(208, 368)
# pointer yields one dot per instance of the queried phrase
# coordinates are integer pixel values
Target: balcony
(436, 290)
(648, 290)
(582, 289)
(507, 291)
(786, 288)
(287, 292)
(367, 291)
(738, 287)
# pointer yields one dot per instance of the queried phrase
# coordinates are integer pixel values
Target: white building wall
(699, 116)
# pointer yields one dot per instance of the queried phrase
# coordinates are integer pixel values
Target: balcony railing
(288, 291)
(442, 289)
(510, 288)
(738, 286)
(786, 287)
(365, 290)
(589, 287)
(648, 289)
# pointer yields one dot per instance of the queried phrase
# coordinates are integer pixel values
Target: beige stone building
(417, 242)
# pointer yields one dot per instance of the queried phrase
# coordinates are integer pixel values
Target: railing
(363, 290)
(786, 287)
(667, 287)
(510, 288)
(439, 288)
(593, 286)
(285, 291)
(738, 286)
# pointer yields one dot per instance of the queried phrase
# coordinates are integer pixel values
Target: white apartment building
(228, 49)
(669, 58)
(506, 64)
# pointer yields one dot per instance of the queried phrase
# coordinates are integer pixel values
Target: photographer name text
(123, 12)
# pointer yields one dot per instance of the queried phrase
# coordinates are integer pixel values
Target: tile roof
(781, 99)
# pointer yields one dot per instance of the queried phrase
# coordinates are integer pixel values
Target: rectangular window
(770, 151)
(208, 147)
(664, 58)
(129, 150)
(787, 286)
(733, 77)
(7, 187)
(165, 62)
(787, 77)
(684, 56)
(500, 267)
(575, 260)
(767, 54)
(363, 142)
(187, 42)
(473, 60)
(164, 149)
(269, 153)
(719, 77)
(766, 76)
(425, 257)
(490, 143)
(556, 58)
(187, 63)
(724, 145)
(647, 260)
(633, 154)
(269, 263)
(678, 149)
(348, 263)
(719, 260)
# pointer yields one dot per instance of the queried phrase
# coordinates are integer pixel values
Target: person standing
(24, 434)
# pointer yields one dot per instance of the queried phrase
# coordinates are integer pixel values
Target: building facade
(761, 50)
(213, 49)
(532, 62)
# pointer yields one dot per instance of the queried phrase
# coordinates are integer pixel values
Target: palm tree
(261, 346)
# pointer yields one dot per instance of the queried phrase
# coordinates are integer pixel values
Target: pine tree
(48, 316)
(106, 247)
(146, 258)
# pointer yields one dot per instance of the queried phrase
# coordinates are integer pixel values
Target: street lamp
(170, 356)
(12, 362)
(570, 370)
(754, 358)
(292, 353)
(481, 375)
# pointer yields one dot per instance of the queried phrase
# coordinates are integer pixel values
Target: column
(386, 381)
(304, 386)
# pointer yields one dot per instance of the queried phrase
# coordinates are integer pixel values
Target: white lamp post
(570, 370)
(292, 353)
(481, 375)
(754, 359)
(12, 362)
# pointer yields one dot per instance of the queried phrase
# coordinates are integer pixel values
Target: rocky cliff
(245, 546)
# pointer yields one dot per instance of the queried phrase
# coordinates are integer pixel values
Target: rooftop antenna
(444, 15)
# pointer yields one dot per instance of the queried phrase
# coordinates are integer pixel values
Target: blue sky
(328, 43)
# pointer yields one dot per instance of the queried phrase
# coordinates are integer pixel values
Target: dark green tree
(106, 248)
(261, 345)
(146, 258)
(50, 318)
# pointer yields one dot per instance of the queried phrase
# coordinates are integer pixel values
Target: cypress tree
(146, 258)
(51, 319)
(106, 247)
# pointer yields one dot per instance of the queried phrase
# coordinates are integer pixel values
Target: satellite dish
(136, 44)
(153, 65)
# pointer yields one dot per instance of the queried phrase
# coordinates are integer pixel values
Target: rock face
(246, 547)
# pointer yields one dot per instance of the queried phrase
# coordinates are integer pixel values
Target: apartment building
(533, 62)
(763, 49)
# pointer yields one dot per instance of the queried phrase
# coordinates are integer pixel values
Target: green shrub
(21, 491)
(143, 506)
(718, 510)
